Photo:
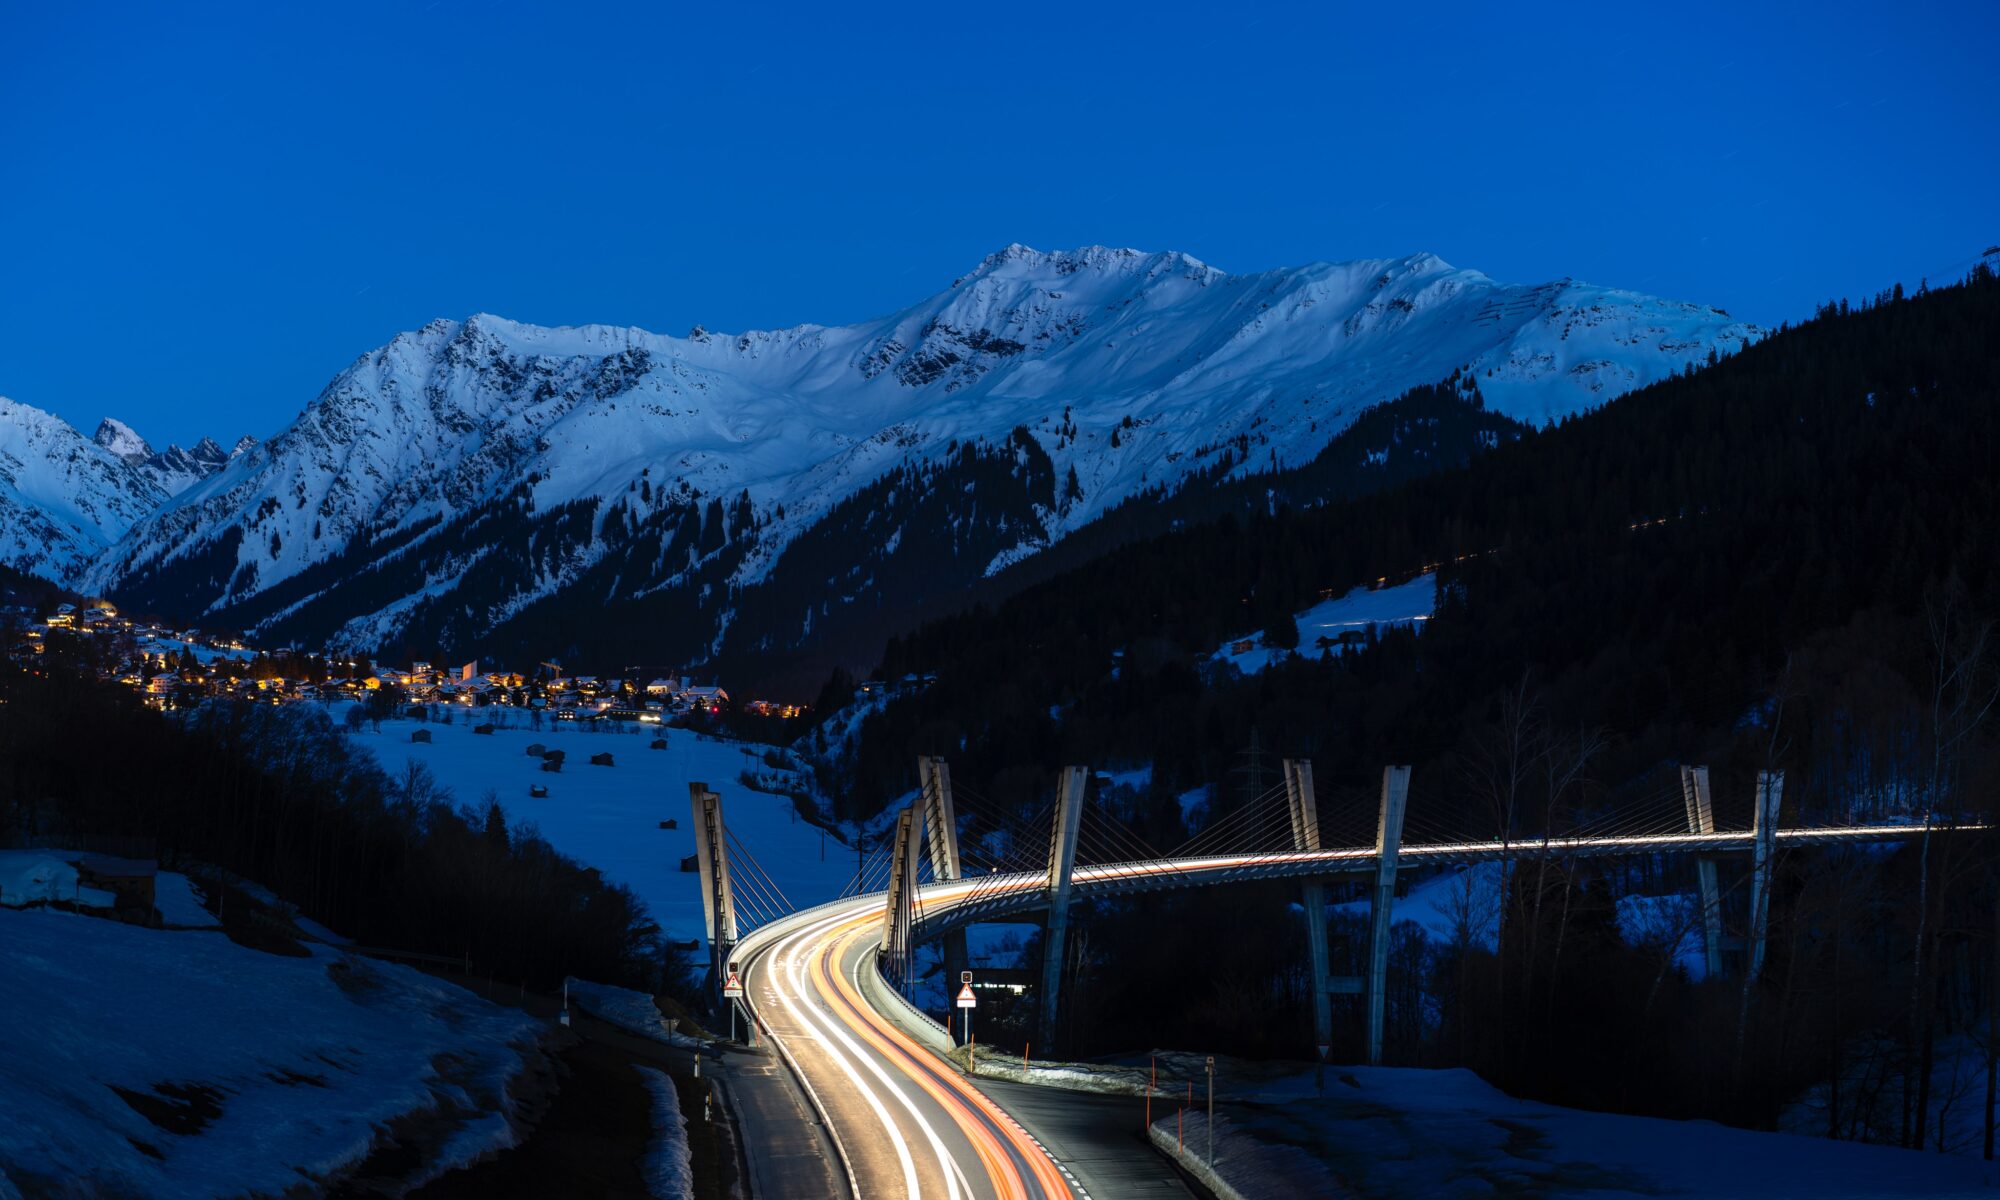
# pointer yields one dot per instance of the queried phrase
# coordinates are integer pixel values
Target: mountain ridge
(702, 459)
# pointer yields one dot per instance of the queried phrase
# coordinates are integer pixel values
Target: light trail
(849, 1054)
(881, 1088)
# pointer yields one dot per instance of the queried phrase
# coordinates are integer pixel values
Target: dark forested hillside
(1789, 559)
(1648, 565)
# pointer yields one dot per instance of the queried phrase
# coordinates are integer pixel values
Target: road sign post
(732, 991)
(1210, 1065)
(967, 1001)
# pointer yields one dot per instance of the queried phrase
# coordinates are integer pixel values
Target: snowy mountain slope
(63, 499)
(457, 479)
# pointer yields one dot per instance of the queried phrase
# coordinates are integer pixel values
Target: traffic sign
(732, 987)
(1323, 1048)
(966, 998)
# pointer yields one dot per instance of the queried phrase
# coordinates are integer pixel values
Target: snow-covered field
(139, 1062)
(1404, 1132)
(609, 817)
(1356, 611)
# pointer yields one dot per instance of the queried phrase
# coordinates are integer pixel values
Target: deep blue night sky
(208, 214)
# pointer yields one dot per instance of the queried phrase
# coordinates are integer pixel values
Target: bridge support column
(1388, 843)
(1062, 861)
(1305, 836)
(941, 828)
(1763, 848)
(897, 914)
(718, 906)
(1701, 819)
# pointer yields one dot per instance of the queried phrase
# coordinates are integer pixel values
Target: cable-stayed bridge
(822, 983)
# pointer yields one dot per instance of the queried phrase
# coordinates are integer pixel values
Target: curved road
(906, 1123)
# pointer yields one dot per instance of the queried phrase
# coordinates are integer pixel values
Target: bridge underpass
(823, 983)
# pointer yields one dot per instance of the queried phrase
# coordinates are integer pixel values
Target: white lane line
(792, 974)
(812, 1094)
(946, 1163)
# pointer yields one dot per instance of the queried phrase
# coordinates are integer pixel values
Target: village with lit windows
(181, 668)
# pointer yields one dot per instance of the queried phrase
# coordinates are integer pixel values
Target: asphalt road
(1099, 1139)
(909, 1125)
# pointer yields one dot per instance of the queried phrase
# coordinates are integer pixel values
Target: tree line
(277, 795)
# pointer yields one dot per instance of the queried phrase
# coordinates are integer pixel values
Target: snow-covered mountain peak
(690, 467)
(122, 440)
(63, 497)
(172, 470)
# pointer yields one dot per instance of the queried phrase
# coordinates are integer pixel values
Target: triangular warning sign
(1323, 1048)
(733, 986)
(965, 997)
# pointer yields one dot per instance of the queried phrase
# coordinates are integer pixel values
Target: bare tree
(1964, 689)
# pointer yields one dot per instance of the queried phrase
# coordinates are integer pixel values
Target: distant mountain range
(173, 469)
(487, 486)
(65, 500)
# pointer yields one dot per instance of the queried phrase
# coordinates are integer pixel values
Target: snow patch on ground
(43, 876)
(1358, 611)
(1115, 1079)
(142, 1062)
(175, 896)
(1449, 905)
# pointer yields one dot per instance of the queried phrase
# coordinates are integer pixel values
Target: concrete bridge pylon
(1701, 819)
(718, 904)
(1062, 864)
(940, 828)
(1373, 985)
(899, 911)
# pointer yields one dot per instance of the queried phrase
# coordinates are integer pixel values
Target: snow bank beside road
(668, 1166)
(632, 1011)
(1387, 1131)
(140, 1062)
